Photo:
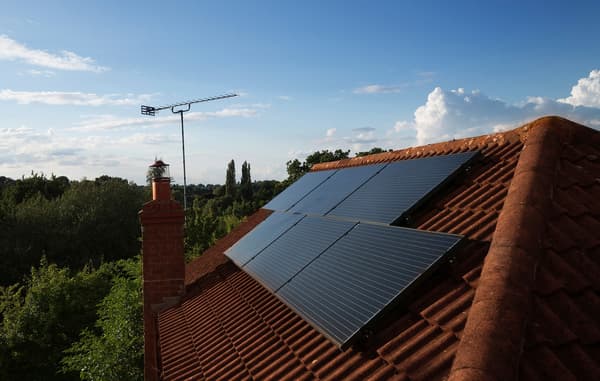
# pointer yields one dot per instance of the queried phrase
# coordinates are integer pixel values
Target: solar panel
(261, 236)
(331, 192)
(303, 186)
(354, 280)
(400, 187)
(295, 249)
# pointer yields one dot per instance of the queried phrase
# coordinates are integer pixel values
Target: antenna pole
(176, 109)
(183, 150)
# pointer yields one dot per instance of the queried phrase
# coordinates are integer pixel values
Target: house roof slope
(230, 327)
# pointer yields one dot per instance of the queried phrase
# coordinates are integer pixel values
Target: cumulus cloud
(23, 146)
(76, 154)
(109, 122)
(586, 92)
(358, 139)
(402, 125)
(378, 89)
(72, 98)
(457, 113)
(11, 50)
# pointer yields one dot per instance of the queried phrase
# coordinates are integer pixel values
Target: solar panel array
(339, 275)
(328, 252)
(377, 193)
(399, 188)
(350, 284)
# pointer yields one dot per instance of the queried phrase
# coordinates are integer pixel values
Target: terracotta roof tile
(230, 327)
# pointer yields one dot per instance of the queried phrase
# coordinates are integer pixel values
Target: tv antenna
(181, 108)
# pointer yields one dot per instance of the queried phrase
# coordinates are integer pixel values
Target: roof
(520, 300)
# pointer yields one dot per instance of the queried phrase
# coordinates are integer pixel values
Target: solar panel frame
(401, 187)
(320, 307)
(298, 190)
(262, 236)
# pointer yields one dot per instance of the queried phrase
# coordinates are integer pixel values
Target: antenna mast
(181, 108)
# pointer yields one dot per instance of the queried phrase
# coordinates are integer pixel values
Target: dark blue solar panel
(298, 189)
(399, 187)
(331, 192)
(295, 249)
(261, 236)
(361, 274)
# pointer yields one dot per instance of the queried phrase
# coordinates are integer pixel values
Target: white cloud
(285, 98)
(358, 140)
(109, 122)
(23, 146)
(72, 98)
(457, 113)
(378, 89)
(41, 73)
(150, 139)
(586, 92)
(401, 126)
(12, 50)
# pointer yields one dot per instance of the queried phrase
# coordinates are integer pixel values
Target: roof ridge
(492, 341)
(453, 146)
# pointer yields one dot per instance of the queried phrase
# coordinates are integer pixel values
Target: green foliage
(372, 151)
(213, 215)
(155, 171)
(90, 221)
(246, 182)
(36, 185)
(43, 317)
(296, 169)
(326, 156)
(114, 349)
(209, 220)
(230, 179)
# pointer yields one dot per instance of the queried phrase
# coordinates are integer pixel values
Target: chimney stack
(163, 264)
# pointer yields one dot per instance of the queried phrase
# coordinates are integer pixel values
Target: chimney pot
(161, 189)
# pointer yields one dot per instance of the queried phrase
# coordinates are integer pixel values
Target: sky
(310, 75)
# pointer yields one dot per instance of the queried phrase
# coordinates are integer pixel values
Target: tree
(230, 179)
(296, 169)
(114, 350)
(43, 317)
(90, 221)
(372, 151)
(246, 182)
(325, 156)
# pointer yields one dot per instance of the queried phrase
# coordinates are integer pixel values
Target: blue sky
(311, 75)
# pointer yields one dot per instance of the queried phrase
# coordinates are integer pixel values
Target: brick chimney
(162, 222)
